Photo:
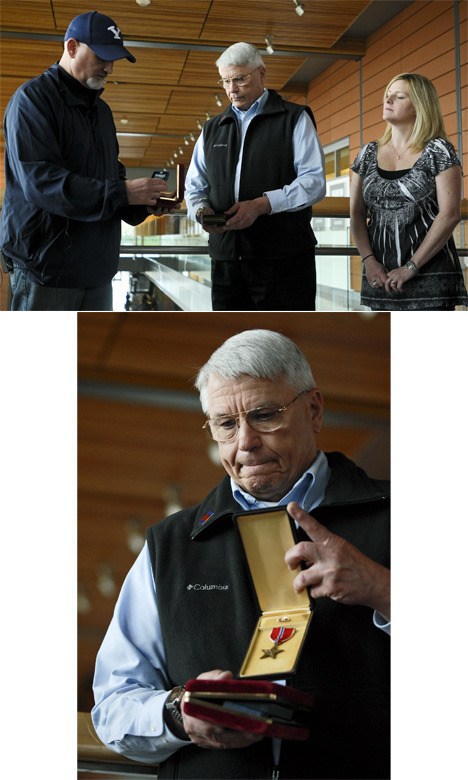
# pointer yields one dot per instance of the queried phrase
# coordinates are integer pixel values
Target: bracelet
(365, 258)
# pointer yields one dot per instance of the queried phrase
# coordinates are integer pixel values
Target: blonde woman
(405, 204)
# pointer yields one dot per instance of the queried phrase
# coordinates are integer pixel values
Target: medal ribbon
(281, 634)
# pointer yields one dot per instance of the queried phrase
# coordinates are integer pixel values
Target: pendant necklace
(399, 156)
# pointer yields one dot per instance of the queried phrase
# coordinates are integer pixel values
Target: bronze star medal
(277, 636)
(271, 652)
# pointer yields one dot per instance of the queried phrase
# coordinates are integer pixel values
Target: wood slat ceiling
(173, 82)
(133, 448)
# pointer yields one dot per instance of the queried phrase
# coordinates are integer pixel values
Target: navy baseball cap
(101, 34)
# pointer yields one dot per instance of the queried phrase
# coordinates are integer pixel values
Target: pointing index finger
(314, 530)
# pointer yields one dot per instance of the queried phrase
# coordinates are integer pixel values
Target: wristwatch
(173, 703)
(199, 215)
(411, 266)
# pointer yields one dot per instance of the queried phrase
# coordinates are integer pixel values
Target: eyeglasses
(264, 419)
(238, 81)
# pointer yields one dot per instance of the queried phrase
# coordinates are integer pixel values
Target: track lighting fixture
(174, 154)
(199, 125)
(186, 140)
(269, 47)
(106, 583)
(171, 495)
(208, 115)
(299, 7)
(219, 102)
(135, 534)
(191, 136)
(181, 151)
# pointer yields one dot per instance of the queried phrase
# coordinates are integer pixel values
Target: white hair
(260, 353)
(240, 54)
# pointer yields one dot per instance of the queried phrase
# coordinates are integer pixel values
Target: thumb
(314, 530)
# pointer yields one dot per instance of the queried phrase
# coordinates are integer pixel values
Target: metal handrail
(200, 249)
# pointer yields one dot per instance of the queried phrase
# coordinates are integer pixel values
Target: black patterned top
(402, 206)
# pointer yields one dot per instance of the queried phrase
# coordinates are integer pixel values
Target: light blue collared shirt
(309, 162)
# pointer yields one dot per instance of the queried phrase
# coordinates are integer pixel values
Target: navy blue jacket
(65, 193)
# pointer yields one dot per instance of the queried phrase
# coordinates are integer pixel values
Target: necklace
(399, 156)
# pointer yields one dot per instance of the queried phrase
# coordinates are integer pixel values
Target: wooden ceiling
(140, 442)
(172, 86)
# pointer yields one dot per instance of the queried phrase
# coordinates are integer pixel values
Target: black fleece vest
(208, 613)
(267, 164)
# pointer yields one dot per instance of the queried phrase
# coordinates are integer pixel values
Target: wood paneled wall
(420, 39)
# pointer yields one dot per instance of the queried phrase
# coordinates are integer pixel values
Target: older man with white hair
(256, 170)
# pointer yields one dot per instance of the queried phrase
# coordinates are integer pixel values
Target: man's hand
(211, 228)
(207, 735)
(144, 192)
(337, 569)
(245, 212)
(160, 211)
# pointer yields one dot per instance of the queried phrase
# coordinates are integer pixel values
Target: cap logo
(116, 31)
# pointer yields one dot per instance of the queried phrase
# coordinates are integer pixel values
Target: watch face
(175, 696)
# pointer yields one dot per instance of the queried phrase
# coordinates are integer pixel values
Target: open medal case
(251, 704)
(170, 198)
(284, 615)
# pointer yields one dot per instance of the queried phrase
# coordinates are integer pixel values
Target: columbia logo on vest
(216, 145)
(197, 586)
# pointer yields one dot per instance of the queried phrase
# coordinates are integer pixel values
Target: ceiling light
(199, 125)
(106, 583)
(191, 136)
(299, 7)
(124, 120)
(269, 47)
(181, 151)
(171, 495)
(83, 601)
(213, 453)
(219, 102)
(135, 536)
(174, 154)
(143, 2)
(186, 140)
(208, 115)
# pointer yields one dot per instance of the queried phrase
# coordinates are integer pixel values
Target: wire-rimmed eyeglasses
(237, 81)
(263, 419)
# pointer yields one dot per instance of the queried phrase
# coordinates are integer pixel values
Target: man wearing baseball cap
(66, 190)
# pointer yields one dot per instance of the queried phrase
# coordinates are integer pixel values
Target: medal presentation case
(255, 706)
(284, 615)
(170, 198)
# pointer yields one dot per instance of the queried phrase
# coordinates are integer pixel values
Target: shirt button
(153, 726)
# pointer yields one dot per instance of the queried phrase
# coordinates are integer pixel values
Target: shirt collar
(308, 491)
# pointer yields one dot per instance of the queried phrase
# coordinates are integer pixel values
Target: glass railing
(164, 264)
